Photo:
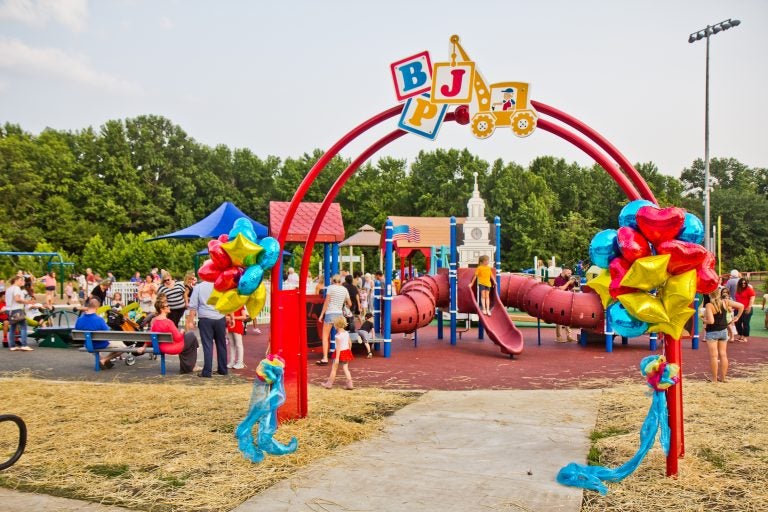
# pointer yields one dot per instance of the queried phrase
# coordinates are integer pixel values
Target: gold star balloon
(645, 307)
(240, 248)
(674, 327)
(256, 301)
(600, 284)
(647, 273)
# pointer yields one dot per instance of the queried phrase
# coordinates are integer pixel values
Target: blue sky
(284, 78)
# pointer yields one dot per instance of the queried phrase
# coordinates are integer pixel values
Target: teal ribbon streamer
(592, 477)
(265, 400)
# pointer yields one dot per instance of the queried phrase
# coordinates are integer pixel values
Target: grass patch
(176, 453)
(109, 470)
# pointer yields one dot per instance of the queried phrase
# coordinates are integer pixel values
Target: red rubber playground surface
(479, 364)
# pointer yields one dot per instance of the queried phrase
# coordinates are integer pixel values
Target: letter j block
(412, 75)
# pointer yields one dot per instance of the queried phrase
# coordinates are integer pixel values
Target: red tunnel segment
(415, 306)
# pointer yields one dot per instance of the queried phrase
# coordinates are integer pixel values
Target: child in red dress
(342, 354)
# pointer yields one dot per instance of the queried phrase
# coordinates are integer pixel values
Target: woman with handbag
(14, 303)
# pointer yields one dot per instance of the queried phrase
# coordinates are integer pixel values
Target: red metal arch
(278, 314)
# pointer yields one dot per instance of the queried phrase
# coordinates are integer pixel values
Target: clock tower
(476, 232)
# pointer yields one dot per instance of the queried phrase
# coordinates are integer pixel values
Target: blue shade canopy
(215, 224)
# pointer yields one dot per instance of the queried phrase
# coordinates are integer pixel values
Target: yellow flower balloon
(647, 273)
(645, 307)
(256, 301)
(240, 248)
(674, 327)
(679, 291)
(230, 301)
(600, 284)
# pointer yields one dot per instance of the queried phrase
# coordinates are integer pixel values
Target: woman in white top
(14, 304)
(335, 298)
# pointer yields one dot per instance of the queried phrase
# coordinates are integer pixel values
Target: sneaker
(14, 349)
(327, 385)
(26, 348)
(238, 366)
(257, 330)
(231, 364)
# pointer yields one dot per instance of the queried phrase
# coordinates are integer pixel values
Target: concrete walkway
(450, 451)
(453, 451)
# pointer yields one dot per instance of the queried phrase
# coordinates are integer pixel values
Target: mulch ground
(478, 364)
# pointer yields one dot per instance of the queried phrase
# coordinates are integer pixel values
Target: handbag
(17, 316)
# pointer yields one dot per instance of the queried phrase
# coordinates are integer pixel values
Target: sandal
(321, 363)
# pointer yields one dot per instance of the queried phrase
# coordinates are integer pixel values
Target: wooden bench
(130, 336)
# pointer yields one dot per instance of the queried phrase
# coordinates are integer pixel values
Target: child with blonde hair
(342, 354)
(484, 276)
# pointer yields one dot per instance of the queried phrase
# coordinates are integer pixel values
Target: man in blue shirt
(91, 321)
(212, 326)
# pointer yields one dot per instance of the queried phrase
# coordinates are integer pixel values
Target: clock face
(476, 233)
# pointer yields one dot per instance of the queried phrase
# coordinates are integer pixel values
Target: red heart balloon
(223, 238)
(219, 256)
(632, 244)
(684, 256)
(659, 225)
(228, 279)
(208, 271)
(618, 268)
(709, 261)
(707, 279)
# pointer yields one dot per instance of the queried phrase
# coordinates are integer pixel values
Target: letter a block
(422, 117)
(412, 75)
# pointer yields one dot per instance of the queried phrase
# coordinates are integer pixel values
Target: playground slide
(498, 326)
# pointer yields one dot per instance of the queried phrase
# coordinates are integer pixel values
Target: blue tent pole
(387, 317)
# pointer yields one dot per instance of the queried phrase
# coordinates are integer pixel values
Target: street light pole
(692, 38)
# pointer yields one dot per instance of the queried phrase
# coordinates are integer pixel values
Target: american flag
(406, 232)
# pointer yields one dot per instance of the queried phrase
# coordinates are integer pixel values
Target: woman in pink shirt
(745, 295)
(49, 280)
(184, 344)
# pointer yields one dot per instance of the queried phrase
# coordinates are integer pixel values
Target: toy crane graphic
(500, 105)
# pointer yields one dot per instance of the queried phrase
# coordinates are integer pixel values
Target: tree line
(96, 195)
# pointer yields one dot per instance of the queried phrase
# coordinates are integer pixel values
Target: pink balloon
(618, 269)
(219, 256)
(223, 238)
(659, 225)
(684, 256)
(208, 271)
(228, 279)
(632, 244)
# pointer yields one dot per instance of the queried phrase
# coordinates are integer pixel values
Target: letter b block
(412, 75)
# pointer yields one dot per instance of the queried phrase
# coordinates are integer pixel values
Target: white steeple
(476, 231)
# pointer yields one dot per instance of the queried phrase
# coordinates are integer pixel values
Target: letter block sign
(452, 83)
(422, 117)
(412, 75)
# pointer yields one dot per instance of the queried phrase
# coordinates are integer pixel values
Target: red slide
(499, 327)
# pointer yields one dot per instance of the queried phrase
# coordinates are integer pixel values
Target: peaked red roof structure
(331, 230)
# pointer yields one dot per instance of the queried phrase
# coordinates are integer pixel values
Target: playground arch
(288, 336)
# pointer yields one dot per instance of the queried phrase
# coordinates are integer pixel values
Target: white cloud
(70, 13)
(53, 63)
(166, 23)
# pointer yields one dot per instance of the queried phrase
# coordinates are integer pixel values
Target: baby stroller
(119, 320)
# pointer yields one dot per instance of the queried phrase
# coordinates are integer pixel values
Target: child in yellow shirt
(484, 276)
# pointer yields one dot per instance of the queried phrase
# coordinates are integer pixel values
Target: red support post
(675, 407)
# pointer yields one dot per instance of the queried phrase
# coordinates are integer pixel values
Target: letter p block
(412, 75)
(422, 117)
